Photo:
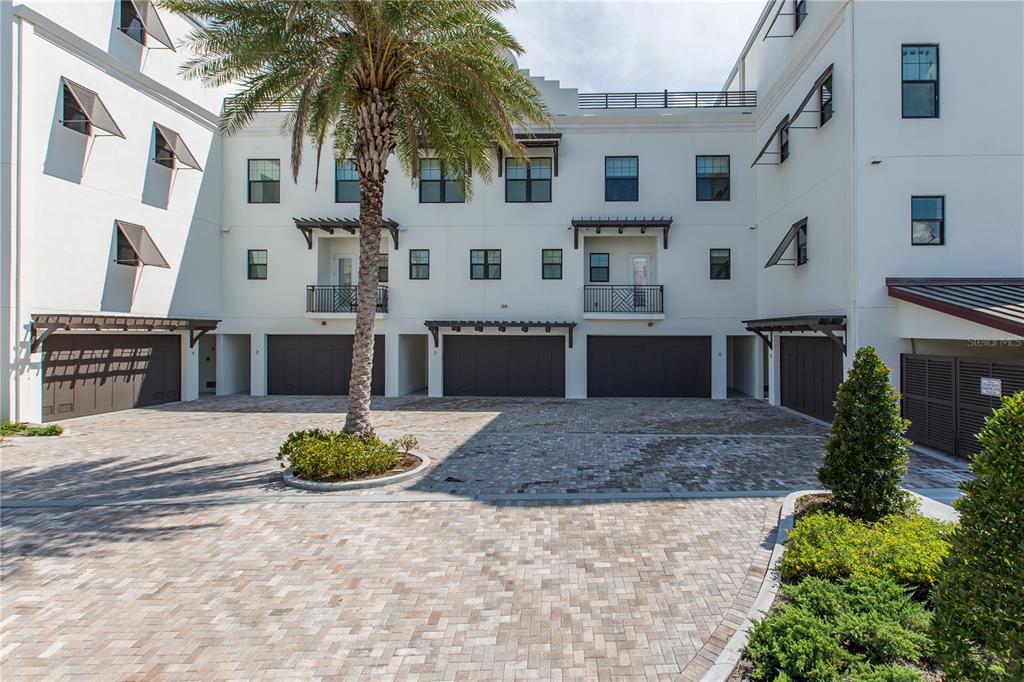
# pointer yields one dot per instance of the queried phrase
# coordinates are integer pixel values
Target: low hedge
(318, 455)
(905, 549)
(23, 429)
(860, 629)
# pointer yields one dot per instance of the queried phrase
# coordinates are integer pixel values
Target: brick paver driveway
(551, 540)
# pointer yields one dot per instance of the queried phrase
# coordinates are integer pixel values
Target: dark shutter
(929, 389)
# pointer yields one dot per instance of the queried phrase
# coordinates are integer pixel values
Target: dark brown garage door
(317, 364)
(943, 399)
(812, 369)
(504, 365)
(649, 366)
(90, 374)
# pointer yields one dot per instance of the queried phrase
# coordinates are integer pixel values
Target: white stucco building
(655, 246)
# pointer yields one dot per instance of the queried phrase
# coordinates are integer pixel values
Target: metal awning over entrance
(996, 302)
(535, 141)
(619, 225)
(44, 325)
(501, 325)
(329, 225)
(825, 324)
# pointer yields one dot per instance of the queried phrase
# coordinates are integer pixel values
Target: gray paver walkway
(243, 578)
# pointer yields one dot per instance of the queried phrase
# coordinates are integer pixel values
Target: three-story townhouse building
(857, 182)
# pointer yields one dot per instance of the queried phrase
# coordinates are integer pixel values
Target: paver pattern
(160, 544)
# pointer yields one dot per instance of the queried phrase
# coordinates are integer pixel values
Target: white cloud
(627, 45)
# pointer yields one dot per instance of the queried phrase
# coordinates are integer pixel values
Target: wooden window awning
(329, 225)
(151, 22)
(824, 324)
(173, 140)
(535, 141)
(92, 107)
(146, 251)
(807, 99)
(787, 240)
(996, 302)
(435, 326)
(619, 225)
(44, 325)
(783, 124)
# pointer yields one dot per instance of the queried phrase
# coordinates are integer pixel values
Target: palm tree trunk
(375, 145)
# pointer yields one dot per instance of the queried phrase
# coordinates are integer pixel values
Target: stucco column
(774, 367)
(576, 366)
(258, 368)
(189, 369)
(757, 369)
(29, 387)
(392, 358)
(435, 368)
(719, 366)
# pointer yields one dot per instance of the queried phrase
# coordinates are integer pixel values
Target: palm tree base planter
(290, 479)
(730, 656)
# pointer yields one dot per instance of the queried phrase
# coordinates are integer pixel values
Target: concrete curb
(290, 479)
(733, 651)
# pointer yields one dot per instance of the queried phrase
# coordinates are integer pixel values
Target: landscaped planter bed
(411, 465)
(325, 461)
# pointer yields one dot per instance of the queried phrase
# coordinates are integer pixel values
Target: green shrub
(905, 549)
(979, 597)
(316, 454)
(858, 628)
(866, 453)
(23, 429)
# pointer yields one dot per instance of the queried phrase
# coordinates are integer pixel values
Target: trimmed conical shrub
(866, 450)
(978, 626)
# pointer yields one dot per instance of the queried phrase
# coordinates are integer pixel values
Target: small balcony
(333, 300)
(623, 301)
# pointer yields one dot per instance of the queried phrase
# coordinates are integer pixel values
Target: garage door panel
(504, 366)
(87, 374)
(317, 364)
(649, 366)
(811, 371)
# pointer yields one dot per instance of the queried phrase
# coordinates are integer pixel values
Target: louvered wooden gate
(943, 401)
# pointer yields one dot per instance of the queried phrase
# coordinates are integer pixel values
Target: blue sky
(633, 45)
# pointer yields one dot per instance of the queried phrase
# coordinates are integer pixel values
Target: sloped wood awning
(535, 141)
(435, 326)
(145, 249)
(329, 225)
(824, 324)
(91, 106)
(44, 325)
(620, 224)
(996, 302)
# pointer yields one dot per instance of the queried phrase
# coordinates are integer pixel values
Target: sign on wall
(991, 387)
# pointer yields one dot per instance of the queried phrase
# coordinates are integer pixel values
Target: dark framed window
(264, 181)
(599, 270)
(621, 178)
(382, 268)
(920, 81)
(825, 100)
(799, 13)
(126, 254)
(73, 115)
(721, 264)
(257, 263)
(131, 23)
(485, 264)
(438, 185)
(712, 178)
(164, 152)
(783, 144)
(801, 243)
(419, 263)
(927, 221)
(551, 263)
(527, 181)
(346, 182)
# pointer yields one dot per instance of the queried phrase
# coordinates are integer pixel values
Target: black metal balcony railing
(623, 298)
(339, 299)
(666, 99)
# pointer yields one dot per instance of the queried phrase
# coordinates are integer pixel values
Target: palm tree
(380, 77)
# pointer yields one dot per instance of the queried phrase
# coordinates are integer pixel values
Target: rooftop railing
(666, 99)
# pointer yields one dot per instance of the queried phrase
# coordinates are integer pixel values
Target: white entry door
(641, 277)
(346, 271)
(345, 296)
